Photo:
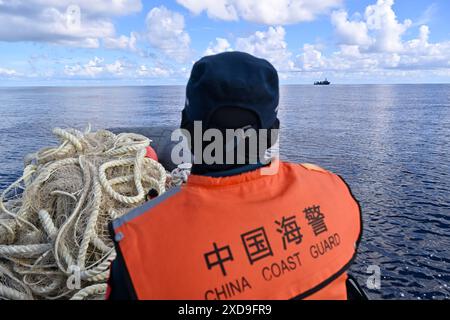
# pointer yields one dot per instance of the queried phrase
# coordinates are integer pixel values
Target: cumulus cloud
(117, 68)
(311, 58)
(122, 42)
(271, 12)
(165, 32)
(382, 20)
(94, 68)
(98, 68)
(420, 53)
(417, 54)
(153, 72)
(69, 22)
(375, 43)
(379, 31)
(221, 45)
(5, 72)
(270, 45)
(350, 32)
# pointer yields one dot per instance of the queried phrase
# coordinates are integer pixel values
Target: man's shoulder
(315, 173)
(314, 167)
(307, 167)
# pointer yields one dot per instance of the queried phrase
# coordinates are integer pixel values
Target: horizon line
(184, 85)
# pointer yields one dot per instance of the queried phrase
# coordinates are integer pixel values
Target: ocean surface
(391, 143)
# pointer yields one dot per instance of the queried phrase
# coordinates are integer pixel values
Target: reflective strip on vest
(252, 236)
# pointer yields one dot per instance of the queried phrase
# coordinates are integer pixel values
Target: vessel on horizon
(322, 83)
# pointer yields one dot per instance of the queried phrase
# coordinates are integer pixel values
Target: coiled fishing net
(54, 239)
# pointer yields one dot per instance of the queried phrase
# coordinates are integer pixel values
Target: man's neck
(226, 170)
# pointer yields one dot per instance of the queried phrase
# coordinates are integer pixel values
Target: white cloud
(4, 72)
(420, 53)
(350, 32)
(219, 9)
(270, 45)
(96, 67)
(417, 54)
(122, 42)
(388, 31)
(153, 72)
(97, 7)
(221, 45)
(92, 68)
(165, 31)
(68, 22)
(117, 68)
(271, 12)
(374, 44)
(311, 58)
(379, 31)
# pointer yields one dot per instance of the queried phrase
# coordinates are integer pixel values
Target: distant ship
(322, 83)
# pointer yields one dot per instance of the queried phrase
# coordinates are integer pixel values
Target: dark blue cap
(232, 79)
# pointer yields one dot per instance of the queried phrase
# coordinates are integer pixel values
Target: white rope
(24, 251)
(53, 220)
(66, 135)
(180, 175)
(94, 290)
(48, 224)
(11, 294)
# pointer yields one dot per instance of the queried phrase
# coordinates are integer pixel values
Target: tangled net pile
(54, 239)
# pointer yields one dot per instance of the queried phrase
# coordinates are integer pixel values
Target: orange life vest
(251, 236)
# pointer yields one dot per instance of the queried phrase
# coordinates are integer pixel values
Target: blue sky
(133, 42)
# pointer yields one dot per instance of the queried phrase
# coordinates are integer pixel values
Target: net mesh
(54, 238)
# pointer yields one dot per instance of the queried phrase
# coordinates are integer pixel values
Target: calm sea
(390, 142)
